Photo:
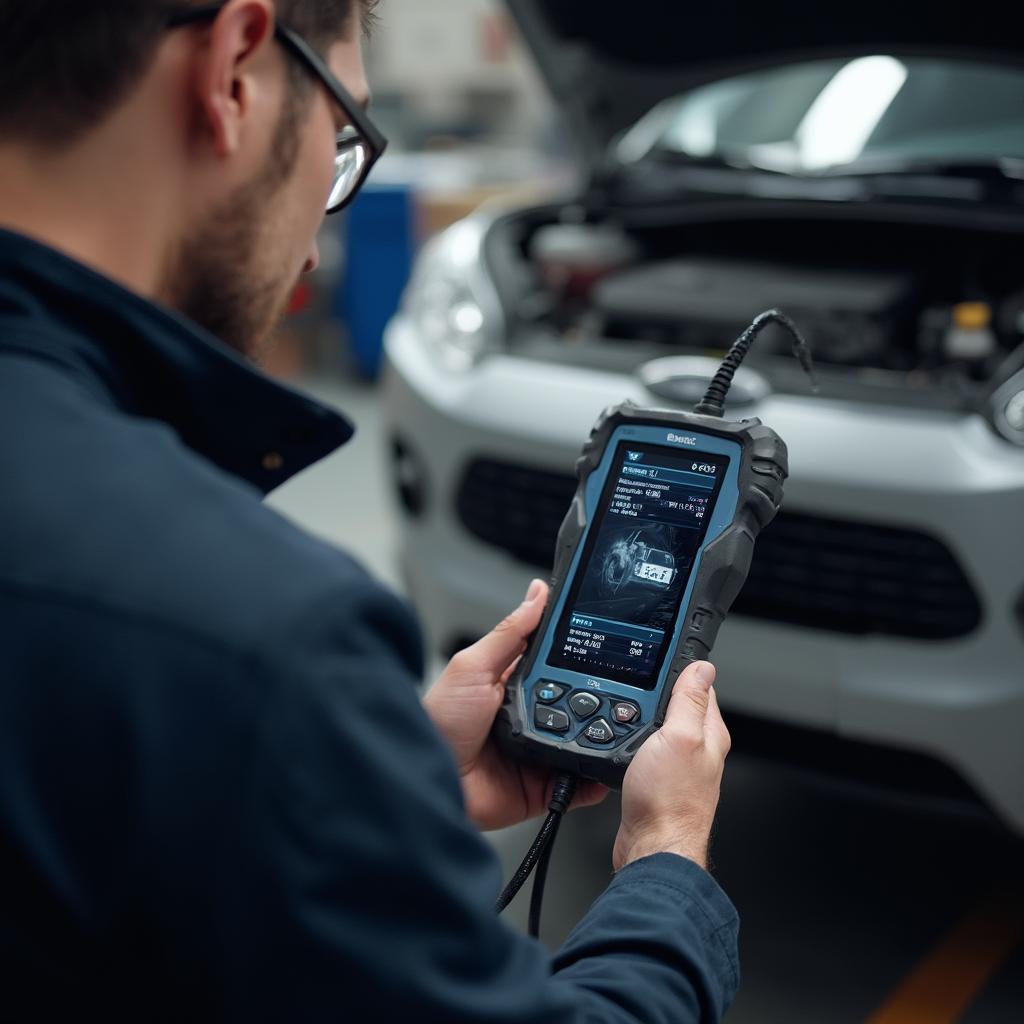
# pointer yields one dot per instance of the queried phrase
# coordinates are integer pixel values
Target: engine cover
(851, 317)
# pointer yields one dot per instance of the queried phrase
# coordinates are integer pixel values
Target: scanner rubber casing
(724, 564)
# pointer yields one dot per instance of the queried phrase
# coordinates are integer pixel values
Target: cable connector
(713, 402)
(562, 794)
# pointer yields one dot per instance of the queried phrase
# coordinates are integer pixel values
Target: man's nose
(312, 260)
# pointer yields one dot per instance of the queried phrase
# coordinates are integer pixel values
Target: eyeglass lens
(349, 165)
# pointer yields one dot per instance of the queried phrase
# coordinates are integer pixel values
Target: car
(631, 562)
(865, 173)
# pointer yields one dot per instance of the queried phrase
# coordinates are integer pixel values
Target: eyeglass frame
(298, 47)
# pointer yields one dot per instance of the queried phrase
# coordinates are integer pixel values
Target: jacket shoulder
(114, 509)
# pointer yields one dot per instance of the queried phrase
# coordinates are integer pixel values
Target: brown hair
(65, 64)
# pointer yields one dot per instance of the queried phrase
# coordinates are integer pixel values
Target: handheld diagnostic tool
(654, 549)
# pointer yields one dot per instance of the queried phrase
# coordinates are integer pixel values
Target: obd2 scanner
(654, 549)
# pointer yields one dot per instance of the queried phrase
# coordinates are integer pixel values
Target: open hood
(607, 62)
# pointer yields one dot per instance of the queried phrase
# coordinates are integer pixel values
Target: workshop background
(873, 808)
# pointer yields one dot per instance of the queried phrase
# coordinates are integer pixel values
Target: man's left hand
(463, 704)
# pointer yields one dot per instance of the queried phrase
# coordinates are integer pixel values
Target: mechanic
(221, 796)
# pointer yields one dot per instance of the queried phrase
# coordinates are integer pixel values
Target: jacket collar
(153, 362)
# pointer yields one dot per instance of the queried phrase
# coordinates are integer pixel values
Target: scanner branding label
(681, 439)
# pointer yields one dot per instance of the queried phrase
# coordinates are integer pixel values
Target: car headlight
(1008, 409)
(451, 301)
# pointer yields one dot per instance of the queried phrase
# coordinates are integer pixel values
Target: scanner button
(548, 693)
(584, 704)
(599, 732)
(624, 713)
(551, 719)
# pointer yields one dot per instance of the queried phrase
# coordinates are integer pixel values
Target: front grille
(808, 570)
(515, 508)
(858, 578)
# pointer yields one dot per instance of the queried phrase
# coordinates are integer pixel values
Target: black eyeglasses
(359, 144)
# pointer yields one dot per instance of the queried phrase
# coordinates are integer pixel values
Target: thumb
(691, 698)
(496, 651)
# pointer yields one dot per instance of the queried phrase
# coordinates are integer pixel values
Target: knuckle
(698, 699)
(726, 739)
(462, 661)
(685, 736)
(509, 624)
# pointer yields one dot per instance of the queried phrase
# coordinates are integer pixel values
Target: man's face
(236, 273)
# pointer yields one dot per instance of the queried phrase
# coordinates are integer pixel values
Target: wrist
(693, 845)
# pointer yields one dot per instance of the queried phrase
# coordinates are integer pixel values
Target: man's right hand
(670, 792)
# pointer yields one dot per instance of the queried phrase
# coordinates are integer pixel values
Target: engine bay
(911, 306)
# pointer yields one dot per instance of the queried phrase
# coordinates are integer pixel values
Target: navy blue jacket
(220, 797)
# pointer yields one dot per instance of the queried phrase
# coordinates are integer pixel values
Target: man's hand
(670, 792)
(463, 704)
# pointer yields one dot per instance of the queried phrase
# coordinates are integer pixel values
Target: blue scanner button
(548, 692)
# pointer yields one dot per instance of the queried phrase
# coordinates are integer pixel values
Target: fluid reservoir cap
(972, 316)
(684, 379)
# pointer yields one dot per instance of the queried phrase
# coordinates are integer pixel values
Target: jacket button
(272, 462)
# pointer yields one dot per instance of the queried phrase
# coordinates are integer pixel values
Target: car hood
(607, 63)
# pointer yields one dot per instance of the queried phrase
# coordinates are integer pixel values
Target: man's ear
(224, 81)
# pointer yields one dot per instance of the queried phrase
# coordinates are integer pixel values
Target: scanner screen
(640, 551)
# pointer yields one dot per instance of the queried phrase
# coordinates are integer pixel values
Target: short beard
(223, 276)
(222, 281)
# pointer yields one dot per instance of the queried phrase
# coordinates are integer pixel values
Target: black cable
(713, 402)
(518, 880)
(537, 892)
(561, 797)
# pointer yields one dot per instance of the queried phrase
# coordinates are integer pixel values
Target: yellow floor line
(949, 979)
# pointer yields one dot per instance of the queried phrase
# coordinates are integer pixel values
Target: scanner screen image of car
(623, 602)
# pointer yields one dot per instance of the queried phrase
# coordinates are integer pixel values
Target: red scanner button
(624, 713)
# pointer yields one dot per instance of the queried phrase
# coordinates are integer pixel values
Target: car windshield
(843, 114)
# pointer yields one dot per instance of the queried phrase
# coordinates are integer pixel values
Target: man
(220, 796)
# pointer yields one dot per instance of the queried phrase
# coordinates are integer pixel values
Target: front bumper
(960, 700)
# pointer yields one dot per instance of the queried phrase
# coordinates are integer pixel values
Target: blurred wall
(454, 67)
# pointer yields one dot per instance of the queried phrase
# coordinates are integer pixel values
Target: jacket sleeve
(367, 893)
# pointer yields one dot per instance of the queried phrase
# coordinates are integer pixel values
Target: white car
(875, 192)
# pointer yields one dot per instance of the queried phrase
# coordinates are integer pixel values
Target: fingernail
(534, 592)
(705, 673)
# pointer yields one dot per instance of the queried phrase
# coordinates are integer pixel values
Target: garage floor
(852, 911)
